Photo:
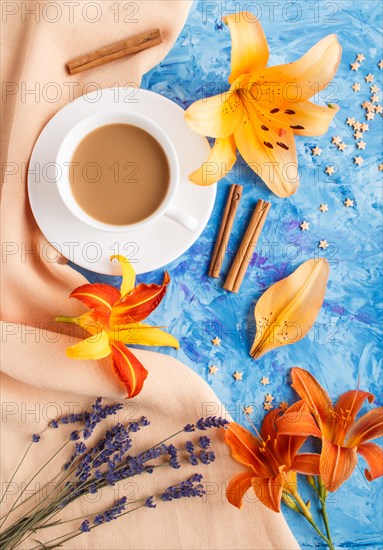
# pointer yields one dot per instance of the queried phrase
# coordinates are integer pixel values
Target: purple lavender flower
(189, 488)
(149, 503)
(36, 438)
(54, 424)
(84, 527)
(206, 423)
(206, 457)
(204, 442)
(189, 447)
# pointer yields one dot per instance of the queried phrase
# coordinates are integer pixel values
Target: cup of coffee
(119, 171)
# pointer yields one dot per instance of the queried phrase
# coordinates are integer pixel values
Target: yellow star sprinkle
(323, 208)
(374, 89)
(365, 127)
(336, 140)
(361, 145)
(360, 57)
(216, 341)
(358, 135)
(369, 77)
(380, 64)
(355, 66)
(380, 166)
(357, 125)
(323, 244)
(365, 104)
(374, 98)
(269, 398)
(304, 226)
(283, 405)
(213, 369)
(356, 87)
(267, 406)
(342, 146)
(330, 170)
(316, 151)
(358, 160)
(378, 109)
(248, 410)
(348, 203)
(370, 116)
(265, 380)
(350, 121)
(237, 375)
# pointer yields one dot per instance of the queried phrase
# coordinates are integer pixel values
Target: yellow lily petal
(303, 78)
(85, 321)
(145, 335)
(272, 156)
(221, 160)
(217, 116)
(249, 49)
(287, 310)
(128, 274)
(94, 347)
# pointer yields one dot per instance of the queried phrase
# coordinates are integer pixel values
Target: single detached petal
(99, 297)
(145, 335)
(237, 488)
(346, 409)
(268, 152)
(139, 303)
(373, 455)
(128, 368)
(94, 347)
(287, 310)
(245, 449)
(317, 399)
(269, 490)
(306, 463)
(128, 274)
(305, 77)
(249, 49)
(336, 464)
(220, 161)
(217, 116)
(369, 426)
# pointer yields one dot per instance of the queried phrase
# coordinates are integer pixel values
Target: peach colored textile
(37, 380)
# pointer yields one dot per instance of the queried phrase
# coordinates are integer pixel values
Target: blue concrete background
(344, 346)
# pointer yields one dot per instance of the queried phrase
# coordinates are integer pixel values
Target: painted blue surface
(344, 346)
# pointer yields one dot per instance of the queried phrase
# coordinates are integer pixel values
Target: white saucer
(148, 248)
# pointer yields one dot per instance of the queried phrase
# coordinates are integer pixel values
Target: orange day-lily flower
(264, 108)
(271, 459)
(342, 435)
(115, 320)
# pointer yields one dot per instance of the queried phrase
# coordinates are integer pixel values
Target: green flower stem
(322, 497)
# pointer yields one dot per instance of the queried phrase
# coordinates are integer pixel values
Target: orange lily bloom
(264, 108)
(115, 320)
(271, 461)
(342, 435)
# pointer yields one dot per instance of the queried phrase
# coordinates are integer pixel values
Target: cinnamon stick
(223, 236)
(246, 249)
(114, 51)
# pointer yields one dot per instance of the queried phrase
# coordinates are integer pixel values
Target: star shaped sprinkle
(365, 127)
(374, 89)
(356, 87)
(358, 160)
(283, 405)
(350, 121)
(248, 410)
(323, 208)
(374, 98)
(358, 135)
(330, 170)
(348, 203)
(380, 166)
(357, 125)
(267, 406)
(213, 369)
(342, 146)
(336, 140)
(323, 244)
(355, 66)
(265, 380)
(370, 116)
(316, 151)
(304, 226)
(269, 398)
(378, 109)
(237, 375)
(360, 57)
(216, 341)
(361, 144)
(380, 64)
(369, 77)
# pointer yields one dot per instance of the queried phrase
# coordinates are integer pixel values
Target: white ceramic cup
(82, 129)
